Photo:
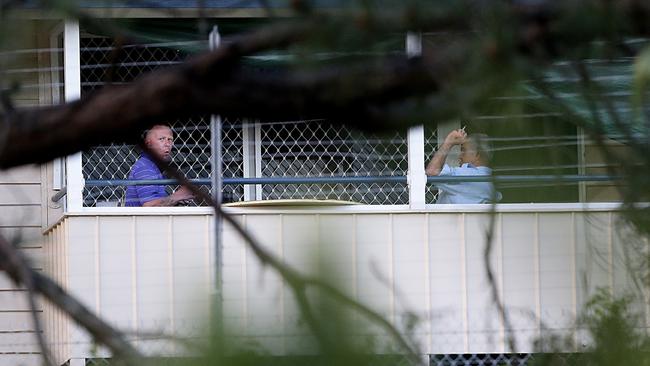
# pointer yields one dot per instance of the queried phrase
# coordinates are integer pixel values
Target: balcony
(152, 270)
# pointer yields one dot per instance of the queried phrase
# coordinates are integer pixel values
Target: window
(269, 149)
(524, 142)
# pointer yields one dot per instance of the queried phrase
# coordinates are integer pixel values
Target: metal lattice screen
(430, 148)
(114, 161)
(232, 159)
(270, 149)
(319, 149)
(102, 63)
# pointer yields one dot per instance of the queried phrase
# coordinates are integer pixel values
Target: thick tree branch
(362, 97)
(213, 83)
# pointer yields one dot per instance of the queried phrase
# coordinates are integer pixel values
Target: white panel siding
(21, 211)
(154, 286)
(191, 272)
(411, 275)
(299, 249)
(17, 321)
(18, 342)
(24, 235)
(20, 194)
(448, 283)
(20, 223)
(485, 325)
(265, 298)
(148, 276)
(626, 246)
(56, 327)
(25, 359)
(22, 175)
(375, 262)
(78, 268)
(300, 243)
(117, 269)
(521, 276)
(557, 270)
(15, 300)
(234, 280)
(13, 359)
(594, 254)
(337, 246)
(20, 216)
(153, 273)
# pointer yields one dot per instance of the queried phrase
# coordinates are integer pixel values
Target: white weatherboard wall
(152, 272)
(546, 265)
(24, 195)
(148, 275)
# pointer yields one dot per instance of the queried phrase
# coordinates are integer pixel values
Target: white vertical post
(258, 159)
(72, 80)
(248, 152)
(582, 161)
(416, 176)
(58, 174)
(216, 160)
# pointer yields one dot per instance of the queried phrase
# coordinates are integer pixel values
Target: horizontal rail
(369, 179)
(60, 194)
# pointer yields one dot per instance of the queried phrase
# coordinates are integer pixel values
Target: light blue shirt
(466, 192)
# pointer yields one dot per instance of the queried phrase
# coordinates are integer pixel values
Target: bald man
(160, 140)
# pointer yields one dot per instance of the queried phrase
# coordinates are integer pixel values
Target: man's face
(160, 140)
(468, 153)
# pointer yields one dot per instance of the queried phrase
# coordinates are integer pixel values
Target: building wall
(150, 273)
(20, 222)
(546, 267)
(25, 209)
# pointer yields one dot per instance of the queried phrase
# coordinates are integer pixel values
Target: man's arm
(454, 137)
(159, 202)
(172, 200)
(155, 195)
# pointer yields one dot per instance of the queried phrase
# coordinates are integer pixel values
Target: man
(474, 158)
(159, 139)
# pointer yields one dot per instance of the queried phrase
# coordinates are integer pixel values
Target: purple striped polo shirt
(144, 168)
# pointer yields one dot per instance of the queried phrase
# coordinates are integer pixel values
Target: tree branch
(213, 83)
(296, 281)
(216, 83)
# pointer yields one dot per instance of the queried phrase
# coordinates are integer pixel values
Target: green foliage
(615, 335)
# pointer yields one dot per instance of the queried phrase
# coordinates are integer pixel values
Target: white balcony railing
(149, 270)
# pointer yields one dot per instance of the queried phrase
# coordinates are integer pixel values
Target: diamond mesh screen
(430, 148)
(232, 160)
(270, 149)
(319, 149)
(481, 359)
(101, 64)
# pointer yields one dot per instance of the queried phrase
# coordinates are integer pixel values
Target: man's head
(475, 150)
(160, 139)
